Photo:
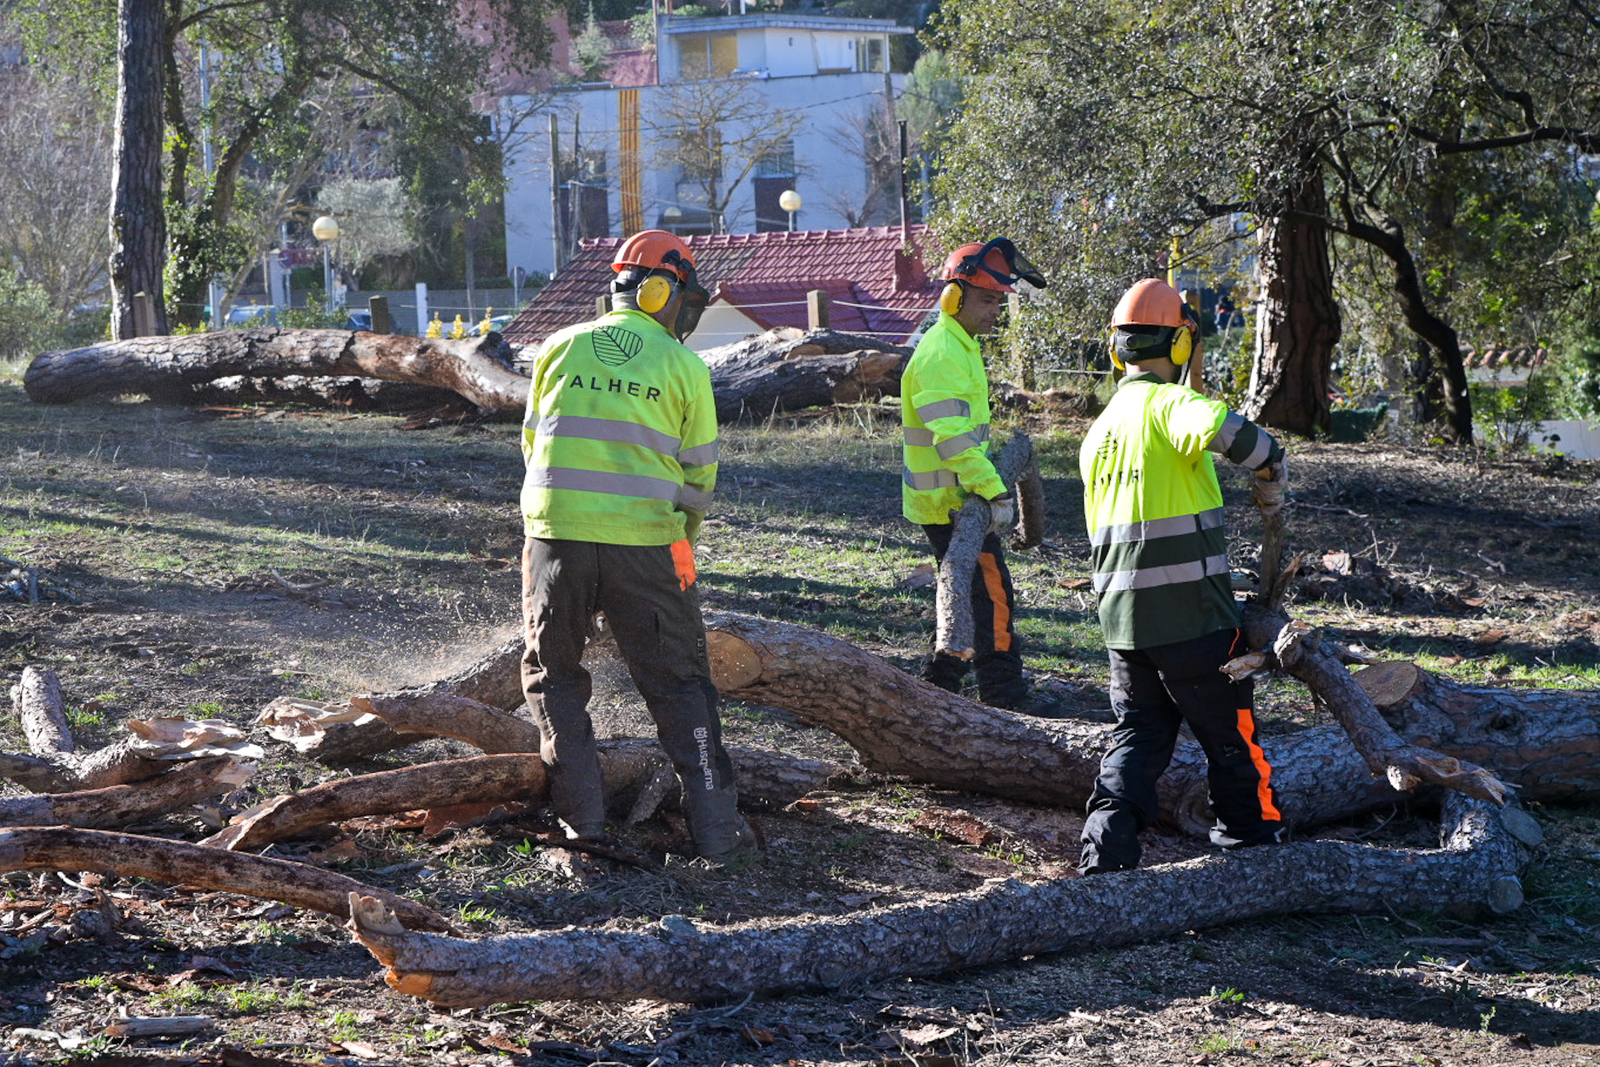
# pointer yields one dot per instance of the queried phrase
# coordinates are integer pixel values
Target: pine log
(1030, 507)
(167, 368)
(787, 370)
(347, 392)
(1477, 869)
(68, 772)
(120, 805)
(37, 699)
(954, 594)
(1406, 764)
(178, 862)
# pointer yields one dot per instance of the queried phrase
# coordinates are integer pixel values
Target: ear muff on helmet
(1111, 349)
(654, 293)
(1182, 343)
(950, 299)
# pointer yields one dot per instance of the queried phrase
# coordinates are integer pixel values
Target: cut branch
(1477, 866)
(954, 597)
(120, 805)
(178, 862)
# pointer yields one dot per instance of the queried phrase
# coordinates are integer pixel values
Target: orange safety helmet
(655, 250)
(997, 265)
(1169, 325)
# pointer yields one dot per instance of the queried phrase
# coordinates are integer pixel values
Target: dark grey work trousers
(652, 606)
(1153, 692)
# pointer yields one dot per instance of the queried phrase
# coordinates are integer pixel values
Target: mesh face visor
(1018, 268)
(695, 295)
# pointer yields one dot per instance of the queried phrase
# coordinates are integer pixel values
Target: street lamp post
(326, 230)
(789, 200)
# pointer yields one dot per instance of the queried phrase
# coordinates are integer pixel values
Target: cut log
(787, 370)
(954, 595)
(1476, 869)
(37, 699)
(167, 368)
(178, 862)
(349, 393)
(119, 805)
(155, 744)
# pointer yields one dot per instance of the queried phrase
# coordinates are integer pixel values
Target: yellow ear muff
(950, 299)
(1183, 344)
(1111, 347)
(655, 293)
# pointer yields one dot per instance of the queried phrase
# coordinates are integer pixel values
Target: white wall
(721, 324)
(826, 165)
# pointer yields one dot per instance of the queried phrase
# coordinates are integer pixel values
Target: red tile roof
(875, 278)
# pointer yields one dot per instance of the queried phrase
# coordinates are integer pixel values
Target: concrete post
(817, 302)
(382, 321)
(422, 309)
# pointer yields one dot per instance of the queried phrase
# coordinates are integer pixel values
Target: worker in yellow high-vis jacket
(944, 405)
(1160, 556)
(620, 443)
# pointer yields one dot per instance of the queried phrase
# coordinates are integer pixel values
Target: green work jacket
(620, 435)
(944, 417)
(1154, 510)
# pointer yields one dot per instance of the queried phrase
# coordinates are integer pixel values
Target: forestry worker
(1160, 562)
(620, 445)
(945, 430)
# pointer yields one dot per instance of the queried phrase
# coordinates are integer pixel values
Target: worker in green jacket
(944, 394)
(1160, 557)
(620, 445)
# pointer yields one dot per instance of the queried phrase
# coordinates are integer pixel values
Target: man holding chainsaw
(1160, 556)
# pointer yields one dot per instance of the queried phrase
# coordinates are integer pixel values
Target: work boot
(742, 853)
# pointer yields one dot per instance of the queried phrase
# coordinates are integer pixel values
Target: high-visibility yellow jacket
(620, 435)
(1154, 510)
(944, 418)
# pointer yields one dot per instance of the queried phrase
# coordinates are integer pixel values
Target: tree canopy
(1103, 128)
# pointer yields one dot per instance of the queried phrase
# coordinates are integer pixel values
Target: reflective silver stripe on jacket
(1151, 577)
(694, 499)
(1231, 425)
(917, 436)
(640, 485)
(961, 442)
(700, 455)
(939, 479)
(943, 409)
(1150, 529)
(618, 430)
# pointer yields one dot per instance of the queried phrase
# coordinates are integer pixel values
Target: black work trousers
(996, 662)
(652, 606)
(1153, 692)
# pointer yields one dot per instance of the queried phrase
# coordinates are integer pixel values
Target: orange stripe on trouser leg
(683, 563)
(997, 597)
(1247, 730)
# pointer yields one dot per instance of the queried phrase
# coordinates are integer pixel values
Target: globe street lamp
(789, 200)
(326, 230)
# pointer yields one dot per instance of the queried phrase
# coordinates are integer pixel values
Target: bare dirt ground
(202, 563)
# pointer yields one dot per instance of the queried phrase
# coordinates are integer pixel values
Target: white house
(613, 176)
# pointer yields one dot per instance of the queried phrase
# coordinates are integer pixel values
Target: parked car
(251, 315)
(496, 324)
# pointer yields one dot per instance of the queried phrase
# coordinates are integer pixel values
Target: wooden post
(817, 310)
(382, 321)
(144, 315)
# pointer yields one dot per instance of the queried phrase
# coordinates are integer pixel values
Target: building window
(870, 53)
(707, 55)
(583, 197)
(774, 173)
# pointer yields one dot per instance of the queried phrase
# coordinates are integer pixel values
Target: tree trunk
(180, 863)
(167, 368)
(120, 805)
(353, 394)
(1297, 320)
(1477, 867)
(787, 370)
(137, 217)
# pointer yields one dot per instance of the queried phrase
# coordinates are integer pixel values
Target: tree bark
(1477, 868)
(166, 368)
(953, 600)
(120, 805)
(1297, 320)
(37, 698)
(180, 863)
(787, 370)
(351, 393)
(137, 216)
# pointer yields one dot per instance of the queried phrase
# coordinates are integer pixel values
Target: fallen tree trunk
(119, 805)
(180, 863)
(167, 368)
(1477, 868)
(788, 370)
(347, 392)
